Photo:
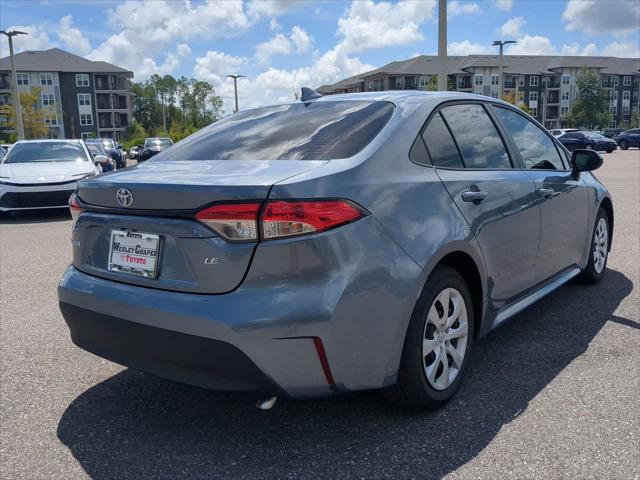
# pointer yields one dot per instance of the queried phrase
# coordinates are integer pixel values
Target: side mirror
(586, 160)
(100, 159)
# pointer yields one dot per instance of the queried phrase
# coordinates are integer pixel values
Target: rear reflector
(74, 208)
(234, 221)
(280, 218)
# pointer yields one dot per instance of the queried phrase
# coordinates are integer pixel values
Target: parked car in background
(612, 132)
(279, 249)
(6, 146)
(100, 155)
(114, 152)
(587, 141)
(558, 132)
(135, 151)
(630, 138)
(153, 146)
(3, 152)
(43, 173)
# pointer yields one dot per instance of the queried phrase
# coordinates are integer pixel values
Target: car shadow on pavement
(137, 426)
(35, 216)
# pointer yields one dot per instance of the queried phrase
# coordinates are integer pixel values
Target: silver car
(350, 242)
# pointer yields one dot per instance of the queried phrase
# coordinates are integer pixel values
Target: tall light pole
(442, 45)
(501, 44)
(14, 81)
(235, 87)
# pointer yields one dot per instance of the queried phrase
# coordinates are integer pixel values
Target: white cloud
(575, 50)
(274, 25)
(504, 5)
(622, 49)
(183, 49)
(38, 39)
(467, 48)
(511, 28)
(71, 37)
(271, 8)
(532, 45)
(301, 39)
(215, 66)
(597, 16)
(368, 25)
(278, 45)
(457, 7)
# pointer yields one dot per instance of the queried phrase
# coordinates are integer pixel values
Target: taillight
(74, 208)
(234, 221)
(288, 218)
(279, 219)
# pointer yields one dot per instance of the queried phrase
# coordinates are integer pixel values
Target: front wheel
(599, 251)
(437, 345)
(588, 147)
(624, 145)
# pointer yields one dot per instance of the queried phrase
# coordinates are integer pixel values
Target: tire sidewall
(590, 270)
(413, 362)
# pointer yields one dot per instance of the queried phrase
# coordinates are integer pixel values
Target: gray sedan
(342, 243)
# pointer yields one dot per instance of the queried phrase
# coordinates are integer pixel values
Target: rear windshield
(162, 142)
(46, 152)
(96, 148)
(303, 131)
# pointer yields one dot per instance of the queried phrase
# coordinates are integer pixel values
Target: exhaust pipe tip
(266, 403)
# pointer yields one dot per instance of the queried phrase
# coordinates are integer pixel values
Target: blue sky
(283, 44)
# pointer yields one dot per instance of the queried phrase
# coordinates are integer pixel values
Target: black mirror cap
(586, 160)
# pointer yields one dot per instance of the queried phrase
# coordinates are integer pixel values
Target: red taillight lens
(74, 207)
(235, 221)
(287, 218)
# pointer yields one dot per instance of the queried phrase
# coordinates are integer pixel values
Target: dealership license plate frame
(138, 272)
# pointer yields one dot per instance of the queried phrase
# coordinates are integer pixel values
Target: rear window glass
(442, 148)
(304, 131)
(46, 152)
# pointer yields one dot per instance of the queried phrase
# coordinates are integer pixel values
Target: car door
(498, 201)
(634, 137)
(573, 140)
(562, 196)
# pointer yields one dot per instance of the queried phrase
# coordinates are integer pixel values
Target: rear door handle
(547, 192)
(474, 196)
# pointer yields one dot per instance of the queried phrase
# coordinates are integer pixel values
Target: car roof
(58, 140)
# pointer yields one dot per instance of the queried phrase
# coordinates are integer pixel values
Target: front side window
(479, 141)
(82, 79)
(322, 130)
(536, 147)
(442, 149)
(22, 78)
(84, 99)
(46, 79)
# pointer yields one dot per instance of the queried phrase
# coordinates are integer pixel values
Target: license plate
(134, 252)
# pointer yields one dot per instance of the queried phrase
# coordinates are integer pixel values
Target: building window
(626, 81)
(23, 78)
(521, 81)
(564, 111)
(533, 96)
(635, 96)
(520, 97)
(626, 95)
(625, 122)
(4, 120)
(564, 96)
(84, 99)
(51, 119)
(47, 99)
(399, 82)
(460, 81)
(87, 135)
(534, 112)
(494, 79)
(4, 99)
(46, 79)
(613, 109)
(478, 80)
(616, 80)
(86, 119)
(533, 81)
(625, 110)
(613, 95)
(82, 79)
(52, 134)
(565, 79)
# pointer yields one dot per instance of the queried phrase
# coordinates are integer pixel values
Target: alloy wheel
(600, 245)
(445, 338)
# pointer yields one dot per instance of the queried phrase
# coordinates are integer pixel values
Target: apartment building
(546, 84)
(79, 98)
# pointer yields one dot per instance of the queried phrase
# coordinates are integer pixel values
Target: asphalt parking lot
(553, 394)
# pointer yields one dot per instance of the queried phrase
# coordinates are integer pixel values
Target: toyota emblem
(124, 197)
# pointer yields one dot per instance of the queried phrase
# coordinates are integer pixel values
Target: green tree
(591, 108)
(32, 115)
(432, 85)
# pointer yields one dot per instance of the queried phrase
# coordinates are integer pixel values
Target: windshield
(46, 152)
(108, 143)
(302, 131)
(158, 142)
(96, 148)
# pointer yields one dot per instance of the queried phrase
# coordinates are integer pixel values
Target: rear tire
(598, 250)
(588, 147)
(436, 334)
(623, 144)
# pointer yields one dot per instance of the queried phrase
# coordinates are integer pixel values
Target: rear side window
(476, 136)
(536, 147)
(303, 131)
(442, 149)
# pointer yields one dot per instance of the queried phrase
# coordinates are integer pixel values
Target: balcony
(551, 82)
(111, 102)
(553, 98)
(111, 82)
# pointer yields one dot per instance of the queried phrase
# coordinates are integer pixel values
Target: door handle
(547, 192)
(474, 196)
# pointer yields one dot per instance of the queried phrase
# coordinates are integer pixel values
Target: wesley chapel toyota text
(341, 243)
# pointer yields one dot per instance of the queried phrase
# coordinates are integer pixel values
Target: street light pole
(14, 82)
(501, 44)
(442, 45)
(235, 87)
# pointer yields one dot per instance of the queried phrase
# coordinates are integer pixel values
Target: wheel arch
(607, 205)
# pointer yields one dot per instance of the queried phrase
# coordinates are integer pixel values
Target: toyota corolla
(360, 241)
